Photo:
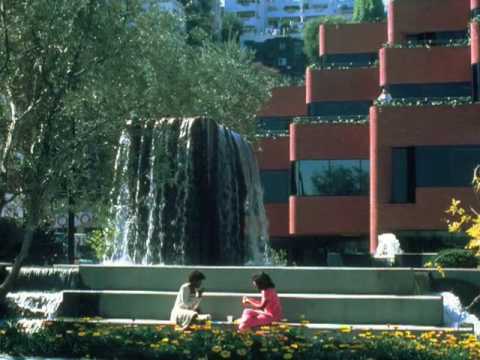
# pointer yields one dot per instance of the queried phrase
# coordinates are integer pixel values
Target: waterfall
(186, 191)
(455, 315)
(38, 292)
(51, 278)
(34, 304)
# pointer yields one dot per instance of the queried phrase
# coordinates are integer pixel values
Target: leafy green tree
(73, 73)
(200, 20)
(232, 28)
(49, 51)
(368, 11)
(310, 35)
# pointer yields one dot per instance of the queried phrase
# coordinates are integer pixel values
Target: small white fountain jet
(388, 247)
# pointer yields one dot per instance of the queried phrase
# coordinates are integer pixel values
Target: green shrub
(455, 258)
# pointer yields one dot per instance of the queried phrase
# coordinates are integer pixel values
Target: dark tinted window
(273, 124)
(331, 177)
(363, 59)
(403, 175)
(438, 38)
(430, 90)
(445, 166)
(275, 185)
(328, 108)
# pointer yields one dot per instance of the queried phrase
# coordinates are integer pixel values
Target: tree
(368, 11)
(73, 73)
(200, 20)
(310, 35)
(48, 54)
(232, 28)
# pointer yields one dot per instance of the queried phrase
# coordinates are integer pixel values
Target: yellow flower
(287, 356)
(294, 346)
(440, 270)
(165, 340)
(225, 354)
(96, 333)
(81, 333)
(216, 349)
(248, 343)
(346, 329)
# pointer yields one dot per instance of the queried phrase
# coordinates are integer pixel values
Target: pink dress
(266, 311)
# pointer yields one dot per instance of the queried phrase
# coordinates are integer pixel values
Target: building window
(403, 175)
(360, 60)
(446, 166)
(338, 108)
(291, 8)
(275, 185)
(331, 177)
(273, 125)
(319, 6)
(282, 61)
(246, 14)
(453, 89)
(439, 38)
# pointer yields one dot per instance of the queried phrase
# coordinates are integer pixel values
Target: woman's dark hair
(263, 281)
(196, 276)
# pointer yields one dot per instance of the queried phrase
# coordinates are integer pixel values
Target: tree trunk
(32, 223)
(71, 233)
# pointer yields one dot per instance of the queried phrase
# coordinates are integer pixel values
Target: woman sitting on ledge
(265, 311)
(186, 308)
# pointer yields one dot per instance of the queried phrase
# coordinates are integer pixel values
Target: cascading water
(388, 247)
(32, 304)
(187, 191)
(455, 315)
(38, 291)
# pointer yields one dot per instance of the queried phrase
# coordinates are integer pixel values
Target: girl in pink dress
(265, 311)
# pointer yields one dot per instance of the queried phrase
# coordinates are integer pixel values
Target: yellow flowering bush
(463, 221)
(279, 341)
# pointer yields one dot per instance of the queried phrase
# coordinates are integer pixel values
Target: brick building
(342, 163)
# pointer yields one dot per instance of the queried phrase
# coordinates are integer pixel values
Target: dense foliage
(207, 342)
(310, 35)
(454, 258)
(232, 28)
(368, 11)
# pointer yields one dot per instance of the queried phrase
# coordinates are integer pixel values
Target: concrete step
(317, 308)
(398, 281)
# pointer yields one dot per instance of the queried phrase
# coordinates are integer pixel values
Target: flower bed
(84, 339)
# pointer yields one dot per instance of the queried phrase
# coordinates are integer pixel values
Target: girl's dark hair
(196, 276)
(263, 281)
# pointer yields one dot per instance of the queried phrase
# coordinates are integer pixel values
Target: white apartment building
(266, 19)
